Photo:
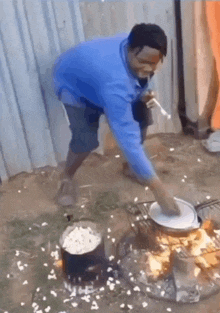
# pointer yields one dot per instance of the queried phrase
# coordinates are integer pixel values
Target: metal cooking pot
(176, 225)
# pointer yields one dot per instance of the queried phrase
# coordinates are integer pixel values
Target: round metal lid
(187, 218)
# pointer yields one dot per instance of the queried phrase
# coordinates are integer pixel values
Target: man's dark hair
(150, 35)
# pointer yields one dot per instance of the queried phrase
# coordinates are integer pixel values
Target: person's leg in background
(84, 124)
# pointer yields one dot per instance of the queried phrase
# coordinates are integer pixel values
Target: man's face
(145, 62)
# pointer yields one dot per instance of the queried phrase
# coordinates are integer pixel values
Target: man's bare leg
(67, 194)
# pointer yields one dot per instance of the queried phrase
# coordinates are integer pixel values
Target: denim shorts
(84, 124)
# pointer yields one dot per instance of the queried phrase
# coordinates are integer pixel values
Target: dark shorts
(84, 124)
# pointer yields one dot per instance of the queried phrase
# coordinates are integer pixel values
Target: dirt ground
(27, 201)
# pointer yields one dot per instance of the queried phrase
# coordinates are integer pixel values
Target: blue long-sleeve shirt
(98, 71)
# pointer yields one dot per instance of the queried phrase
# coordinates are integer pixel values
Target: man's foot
(68, 193)
(130, 174)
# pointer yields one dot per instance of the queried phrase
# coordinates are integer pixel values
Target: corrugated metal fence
(33, 127)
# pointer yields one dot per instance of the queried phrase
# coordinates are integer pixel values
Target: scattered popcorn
(112, 216)
(102, 289)
(109, 269)
(130, 306)
(55, 254)
(25, 282)
(129, 292)
(40, 311)
(44, 298)
(66, 300)
(21, 268)
(81, 240)
(44, 224)
(119, 261)
(52, 271)
(117, 282)
(172, 149)
(17, 253)
(47, 309)
(109, 230)
(42, 249)
(8, 275)
(19, 191)
(117, 156)
(185, 176)
(136, 199)
(108, 237)
(74, 304)
(144, 304)
(22, 303)
(26, 265)
(146, 188)
(34, 304)
(113, 240)
(94, 305)
(198, 160)
(110, 278)
(97, 297)
(111, 257)
(162, 293)
(45, 264)
(112, 286)
(145, 204)
(57, 247)
(145, 217)
(137, 218)
(122, 305)
(169, 309)
(86, 298)
(159, 287)
(148, 289)
(130, 274)
(38, 289)
(132, 279)
(52, 276)
(30, 228)
(137, 288)
(83, 206)
(53, 293)
(183, 180)
(208, 197)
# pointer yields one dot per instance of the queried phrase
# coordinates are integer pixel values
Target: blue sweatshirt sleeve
(118, 111)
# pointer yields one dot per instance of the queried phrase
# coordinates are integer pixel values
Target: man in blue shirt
(109, 76)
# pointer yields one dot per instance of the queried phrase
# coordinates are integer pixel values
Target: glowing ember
(197, 244)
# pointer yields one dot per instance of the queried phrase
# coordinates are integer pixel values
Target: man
(108, 76)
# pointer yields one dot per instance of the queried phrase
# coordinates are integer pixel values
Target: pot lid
(186, 219)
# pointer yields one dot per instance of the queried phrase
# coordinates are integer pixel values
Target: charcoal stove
(184, 279)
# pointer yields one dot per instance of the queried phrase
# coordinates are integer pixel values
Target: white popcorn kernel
(130, 306)
(112, 216)
(208, 197)
(30, 228)
(34, 304)
(26, 265)
(144, 304)
(159, 287)
(129, 292)
(119, 261)
(108, 237)
(53, 293)
(52, 271)
(113, 240)
(44, 298)
(25, 282)
(17, 253)
(109, 230)
(102, 289)
(132, 225)
(145, 217)
(130, 274)
(52, 276)
(42, 249)
(94, 305)
(66, 300)
(111, 258)
(137, 218)
(146, 188)
(110, 278)
(122, 305)
(112, 286)
(38, 289)
(45, 264)
(136, 199)
(8, 275)
(148, 289)
(44, 224)
(183, 180)
(117, 282)
(47, 309)
(74, 304)
(22, 303)
(109, 269)
(172, 149)
(117, 156)
(83, 206)
(132, 279)
(137, 288)
(199, 160)
(97, 297)
(19, 191)
(162, 293)
(169, 309)
(57, 247)
(185, 176)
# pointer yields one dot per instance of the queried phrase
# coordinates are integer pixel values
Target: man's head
(147, 45)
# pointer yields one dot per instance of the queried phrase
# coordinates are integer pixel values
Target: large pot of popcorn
(83, 253)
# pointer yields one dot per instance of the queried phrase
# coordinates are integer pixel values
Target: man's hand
(163, 198)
